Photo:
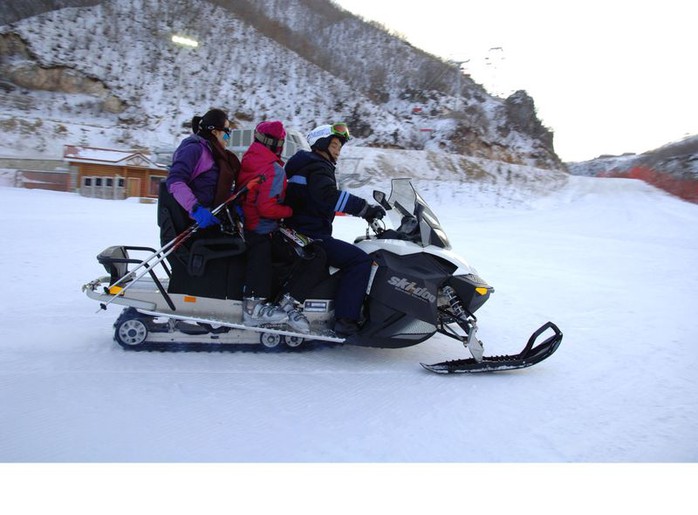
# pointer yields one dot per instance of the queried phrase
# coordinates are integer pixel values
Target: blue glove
(203, 217)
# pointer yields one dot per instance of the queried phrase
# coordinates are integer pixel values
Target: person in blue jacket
(314, 196)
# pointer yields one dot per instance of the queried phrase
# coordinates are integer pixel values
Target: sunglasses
(224, 129)
(340, 129)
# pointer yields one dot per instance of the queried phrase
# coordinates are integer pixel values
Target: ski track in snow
(610, 261)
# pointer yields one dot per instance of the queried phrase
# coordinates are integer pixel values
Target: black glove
(371, 212)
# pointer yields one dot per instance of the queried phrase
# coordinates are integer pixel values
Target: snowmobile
(418, 287)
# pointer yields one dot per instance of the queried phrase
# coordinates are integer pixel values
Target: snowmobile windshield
(411, 215)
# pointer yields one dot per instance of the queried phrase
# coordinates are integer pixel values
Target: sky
(608, 77)
(621, 392)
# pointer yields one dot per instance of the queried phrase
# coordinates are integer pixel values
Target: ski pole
(159, 255)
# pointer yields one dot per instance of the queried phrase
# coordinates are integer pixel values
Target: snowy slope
(611, 261)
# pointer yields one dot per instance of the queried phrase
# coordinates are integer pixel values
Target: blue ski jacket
(313, 195)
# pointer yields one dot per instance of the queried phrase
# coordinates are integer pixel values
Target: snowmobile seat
(209, 264)
(205, 250)
(116, 259)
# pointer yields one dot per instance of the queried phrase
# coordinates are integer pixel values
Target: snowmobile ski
(529, 356)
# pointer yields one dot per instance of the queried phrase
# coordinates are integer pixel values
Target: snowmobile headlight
(481, 291)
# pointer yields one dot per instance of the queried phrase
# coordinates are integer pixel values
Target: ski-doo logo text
(411, 288)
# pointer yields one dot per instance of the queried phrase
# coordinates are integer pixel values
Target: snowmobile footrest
(529, 356)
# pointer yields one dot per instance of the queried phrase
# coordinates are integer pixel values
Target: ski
(529, 356)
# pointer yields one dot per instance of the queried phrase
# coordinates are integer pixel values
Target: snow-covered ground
(611, 261)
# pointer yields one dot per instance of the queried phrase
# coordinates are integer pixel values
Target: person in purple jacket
(203, 172)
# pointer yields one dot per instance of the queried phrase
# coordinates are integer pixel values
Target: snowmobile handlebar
(377, 225)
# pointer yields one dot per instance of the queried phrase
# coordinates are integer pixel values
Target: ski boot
(296, 320)
(255, 312)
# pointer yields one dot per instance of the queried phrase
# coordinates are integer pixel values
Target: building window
(247, 137)
(87, 181)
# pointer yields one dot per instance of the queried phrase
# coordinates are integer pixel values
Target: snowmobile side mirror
(379, 197)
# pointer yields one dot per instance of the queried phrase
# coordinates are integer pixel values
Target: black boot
(346, 327)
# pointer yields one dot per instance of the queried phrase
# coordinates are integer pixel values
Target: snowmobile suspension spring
(455, 303)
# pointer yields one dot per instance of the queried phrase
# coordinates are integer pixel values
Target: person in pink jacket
(263, 208)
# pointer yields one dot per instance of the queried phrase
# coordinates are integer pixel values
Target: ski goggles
(340, 129)
(275, 145)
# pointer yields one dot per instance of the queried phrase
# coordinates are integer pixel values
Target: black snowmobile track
(255, 348)
(529, 356)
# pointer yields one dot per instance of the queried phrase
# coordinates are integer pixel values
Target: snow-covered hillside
(110, 76)
(672, 167)
(482, 182)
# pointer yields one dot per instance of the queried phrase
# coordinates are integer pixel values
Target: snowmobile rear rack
(529, 356)
(116, 259)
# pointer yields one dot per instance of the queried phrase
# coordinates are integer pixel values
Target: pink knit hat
(274, 129)
(271, 134)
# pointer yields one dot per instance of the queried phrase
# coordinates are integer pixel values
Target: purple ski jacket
(193, 176)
